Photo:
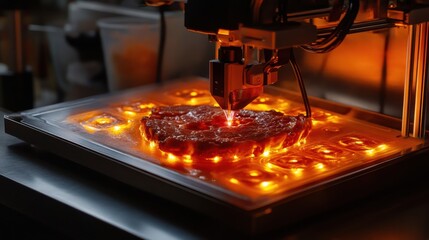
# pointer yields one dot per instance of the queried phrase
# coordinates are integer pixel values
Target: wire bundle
(334, 39)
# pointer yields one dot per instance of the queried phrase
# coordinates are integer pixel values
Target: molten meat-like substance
(203, 132)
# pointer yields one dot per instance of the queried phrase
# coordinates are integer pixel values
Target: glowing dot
(187, 159)
(216, 159)
(171, 158)
(193, 94)
(265, 184)
(382, 147)
(269, 165)
(319, 166)
(327, 151)
(293, 160)
(116, 128)
(297, 171)
(152, 144)
(235, 157)
(103, 120)
(193, 101)
(254, 173)
(233, 180)
(370, 152)
(266, 153)
(130, 113)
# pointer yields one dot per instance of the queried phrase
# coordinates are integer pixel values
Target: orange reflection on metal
(267, 170)
(234, 181)
(105, 122)
(320, 166)
(267, 185)
(358, 142)
(379, 148)
(136, 109)
(297, 171)
(171, 158)
(192, 96)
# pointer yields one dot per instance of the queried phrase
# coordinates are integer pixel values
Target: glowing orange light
(171, 158)
(105, 122)
(216, 159)
(187, 159)
(319, 166)
(326, 151)
(265, 184)
(379, 148)
(229, 115)
(269, 165)
(234, 181)
(133, 109)
(130, 113)
(297, 171)
(274, 167)
(266, 153)
(254, 173)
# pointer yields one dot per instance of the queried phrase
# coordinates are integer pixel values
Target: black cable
(300, 81)
(335, 38)
(161, 47)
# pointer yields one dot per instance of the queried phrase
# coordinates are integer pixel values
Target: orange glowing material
(105, 122)
(137, 108)
(192, 96)
(334, 143)
(229, 115)
(171, 158)
(267, 185)
(289, 162)
(297, 171)
(234, 181)
(216, 159)
(187, 159)
(253, 177)
(254, 173)
(152, 144)
(202, 133)
(358, 143)
(328, 152)
(379, 148)
(265, 103)
(319, 166)
(266, 153)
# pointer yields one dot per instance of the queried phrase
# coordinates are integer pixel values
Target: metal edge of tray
(310, 202)
(288, 210)
(126, 174)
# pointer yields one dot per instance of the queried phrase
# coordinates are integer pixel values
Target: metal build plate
(102, 133)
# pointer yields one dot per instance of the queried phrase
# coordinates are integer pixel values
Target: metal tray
(281, 197)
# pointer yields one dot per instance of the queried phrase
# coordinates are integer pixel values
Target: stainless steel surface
(72, 130)
(408, 83)
(420, 111)
(66, 197)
